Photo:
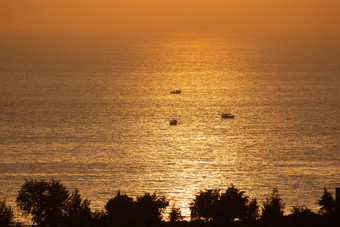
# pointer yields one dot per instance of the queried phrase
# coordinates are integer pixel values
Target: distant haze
(279, 16)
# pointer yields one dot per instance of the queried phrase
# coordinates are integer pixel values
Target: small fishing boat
(175, 92)
(173, 122)
(227, 115)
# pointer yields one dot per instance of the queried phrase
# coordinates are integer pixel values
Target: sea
(93, 111)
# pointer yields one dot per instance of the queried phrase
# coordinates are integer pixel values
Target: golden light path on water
(203, 150)
(181, 158)
(95, 115)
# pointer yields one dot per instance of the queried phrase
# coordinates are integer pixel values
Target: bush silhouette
(6, 214)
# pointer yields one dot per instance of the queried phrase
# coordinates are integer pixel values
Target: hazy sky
(303, 16)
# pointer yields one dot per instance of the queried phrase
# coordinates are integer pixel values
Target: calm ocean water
(93, 112)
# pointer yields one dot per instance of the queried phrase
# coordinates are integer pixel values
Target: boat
(227, 115)
(173, 122)
(175, 92)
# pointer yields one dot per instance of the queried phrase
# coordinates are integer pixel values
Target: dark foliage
(120, 210)
(302, 216)
(272, 211)
(149, 209)
(175, 214)
(204, 205)
(99, 219)
(328, 209)
(146, 210)
(6, 214)
(51, 204)
(326, 203)
(224, 208)
(252, 211)
(45, 201)
(78, 212)
(234, 205)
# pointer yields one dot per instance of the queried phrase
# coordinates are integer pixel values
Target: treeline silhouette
(51, 204)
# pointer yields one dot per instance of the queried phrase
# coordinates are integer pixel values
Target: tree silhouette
(232, 205)
(235, 205)
(326, 203)
(205, 204)
(303, 216)
(45, 201)
(51, 204)
(272, 211)
(99, 219)
(78, 212)
(252, 213)
(149, 209)
(328, 210)
(175, 214)
(119, 209)
(222, 208)
(297, 209)
(6, 214)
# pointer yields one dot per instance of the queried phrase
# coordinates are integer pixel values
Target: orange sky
(292, 16)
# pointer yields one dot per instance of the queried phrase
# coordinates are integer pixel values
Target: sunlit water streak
(94, 112)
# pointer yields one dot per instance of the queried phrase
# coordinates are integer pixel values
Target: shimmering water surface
(93, 111)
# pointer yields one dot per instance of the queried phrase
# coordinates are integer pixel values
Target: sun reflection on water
(106, 127)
